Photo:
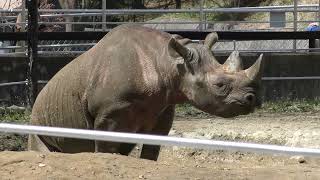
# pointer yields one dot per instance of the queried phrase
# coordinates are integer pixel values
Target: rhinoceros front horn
(254, 73)
(233, 63)
(211, 39)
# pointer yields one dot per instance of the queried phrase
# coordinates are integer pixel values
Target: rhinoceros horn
(254, 72)
(233, 63)
(211, 39)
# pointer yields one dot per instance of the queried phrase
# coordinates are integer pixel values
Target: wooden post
(104, 19)
(295, 19)
(201, 15)
(32, 33)
(319, 12)
(23, 20)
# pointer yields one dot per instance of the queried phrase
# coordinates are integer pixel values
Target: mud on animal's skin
(126, 99)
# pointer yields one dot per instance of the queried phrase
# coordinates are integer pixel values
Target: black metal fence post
(32, 37)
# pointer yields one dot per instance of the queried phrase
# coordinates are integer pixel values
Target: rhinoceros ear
(233, 63)
(254, 73)
(211, 39)
(176, 49)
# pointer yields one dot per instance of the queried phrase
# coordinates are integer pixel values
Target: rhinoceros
(131, 80)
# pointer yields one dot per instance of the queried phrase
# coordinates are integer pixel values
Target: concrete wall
(14, 69)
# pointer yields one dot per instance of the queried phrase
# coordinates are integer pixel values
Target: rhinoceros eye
(222, 89)
(220, 84)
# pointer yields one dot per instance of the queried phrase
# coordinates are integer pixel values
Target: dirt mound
(183, 165)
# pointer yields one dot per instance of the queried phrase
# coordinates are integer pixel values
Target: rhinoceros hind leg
(126, 148)
(35, 144)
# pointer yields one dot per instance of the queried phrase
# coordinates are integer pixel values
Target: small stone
(141, 177)
(42, 165)
(42, 155)
(300, 159)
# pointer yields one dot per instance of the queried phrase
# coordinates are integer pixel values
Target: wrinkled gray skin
(130, 82)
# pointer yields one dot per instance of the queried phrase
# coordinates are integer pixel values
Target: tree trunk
(178, 4)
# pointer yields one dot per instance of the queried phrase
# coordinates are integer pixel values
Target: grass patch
(12, 116)
(184, 110)
(11, 141)
(281, 106)
(291, 106)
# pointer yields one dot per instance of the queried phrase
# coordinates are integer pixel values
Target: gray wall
(288, 65)
(14, 69)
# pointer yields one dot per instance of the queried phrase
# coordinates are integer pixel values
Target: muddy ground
(295, 129)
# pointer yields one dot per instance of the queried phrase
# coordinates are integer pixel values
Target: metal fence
(99, 22)
(64, 46)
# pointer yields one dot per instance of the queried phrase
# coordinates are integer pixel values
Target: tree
(178, 4)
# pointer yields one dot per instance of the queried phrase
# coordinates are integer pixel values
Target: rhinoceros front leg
(163, 127)
(107, 124)
(113, 120)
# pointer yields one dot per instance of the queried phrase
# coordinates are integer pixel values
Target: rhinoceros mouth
(234, 109)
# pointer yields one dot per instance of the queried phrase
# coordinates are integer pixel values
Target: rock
(299, 159)
(261, 135)
(172, 132)
(2, 110)
(15, 108)
(42, 165)
(141, 177)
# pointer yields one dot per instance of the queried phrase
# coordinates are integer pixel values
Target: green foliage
(289, 106)
(10, 116)
(10, 141)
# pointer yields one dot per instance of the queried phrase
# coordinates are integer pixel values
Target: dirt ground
(299, 129)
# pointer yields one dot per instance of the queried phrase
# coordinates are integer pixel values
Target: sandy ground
(301, 130)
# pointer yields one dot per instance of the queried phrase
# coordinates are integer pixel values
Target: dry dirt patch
(300, 130)
(187, 165)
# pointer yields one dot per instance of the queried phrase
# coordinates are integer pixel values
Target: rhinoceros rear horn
(233, 63)
(211, 39)
(176, 47)
(254, 72)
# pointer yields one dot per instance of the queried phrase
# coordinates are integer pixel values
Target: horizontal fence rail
(157, 140)
(13, 83)
(287, 8)
(196, 35)
(263, 79)
(203, 12)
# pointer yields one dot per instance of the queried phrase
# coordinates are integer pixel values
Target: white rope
(156, 140)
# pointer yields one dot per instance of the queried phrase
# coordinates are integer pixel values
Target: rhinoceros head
(224, 90)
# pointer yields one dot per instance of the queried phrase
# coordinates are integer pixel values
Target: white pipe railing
(157, 140)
